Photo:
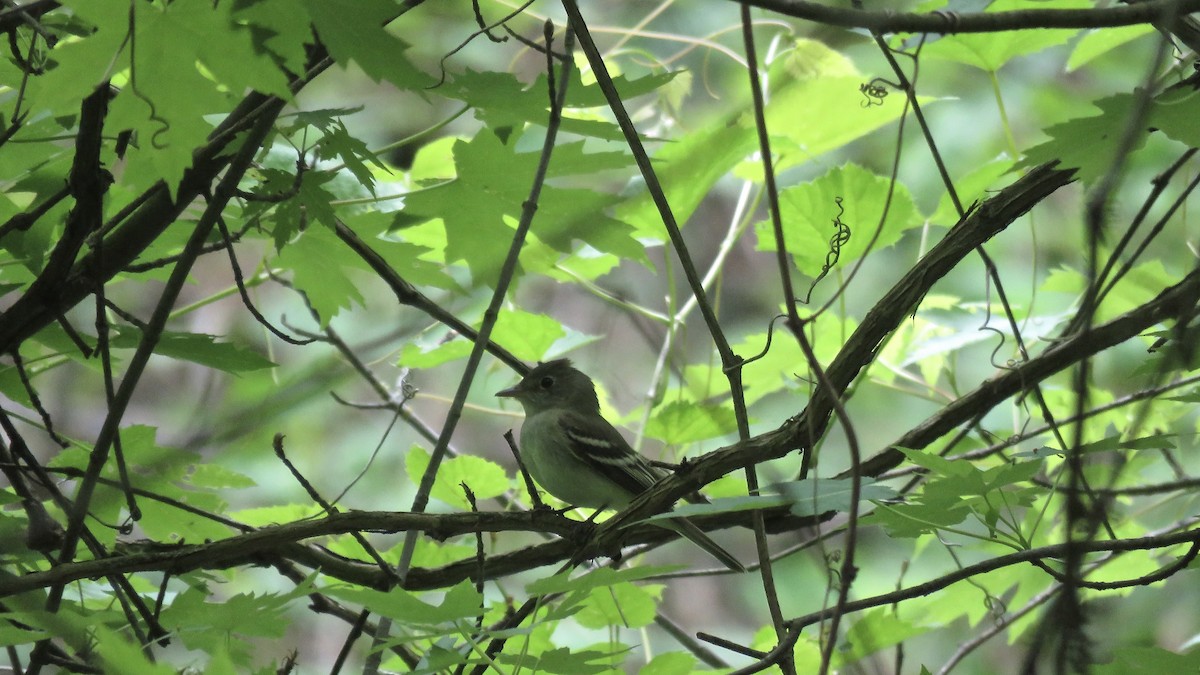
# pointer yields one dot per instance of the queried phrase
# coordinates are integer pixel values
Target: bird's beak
(511, 392)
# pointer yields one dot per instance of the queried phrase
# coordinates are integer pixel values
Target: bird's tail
(687, 528)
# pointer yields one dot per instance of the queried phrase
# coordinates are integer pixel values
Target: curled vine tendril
(766, 348)
(163, 124)
(875, 91)
(484, 30)
(836, 242)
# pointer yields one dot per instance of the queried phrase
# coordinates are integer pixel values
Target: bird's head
(554, 384)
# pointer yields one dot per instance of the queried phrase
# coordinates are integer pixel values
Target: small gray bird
(577, 456)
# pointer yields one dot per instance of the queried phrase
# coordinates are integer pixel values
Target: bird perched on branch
(577, 456)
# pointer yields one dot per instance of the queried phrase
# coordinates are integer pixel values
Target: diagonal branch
(283, 541)
(492, 314)
(407, 294)
(1058, 357)
(108, 433)
(803, 430)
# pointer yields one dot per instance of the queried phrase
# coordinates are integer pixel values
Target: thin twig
(766, 570)
(141, 357)
(329, 509)
(491, 314)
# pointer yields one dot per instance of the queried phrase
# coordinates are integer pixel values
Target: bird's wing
(598, 443)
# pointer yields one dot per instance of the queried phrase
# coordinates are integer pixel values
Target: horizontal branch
(555, 552)
(1001, 561)
(271, 541)
(280, 543)
(887, 21)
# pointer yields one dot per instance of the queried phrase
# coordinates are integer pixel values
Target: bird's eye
(547, 382)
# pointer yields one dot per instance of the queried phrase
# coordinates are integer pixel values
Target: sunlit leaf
(528, 336)
(990, 51)
(1096, 43)
(623, 604)
(353, 30)
(670, 663)
(493, 183)
(875, 630)
(598, 578)
(202, 349)
(485, 478)
(564, 661)
(680, 422)
(319, 263)
(461, 601)
(874, 211)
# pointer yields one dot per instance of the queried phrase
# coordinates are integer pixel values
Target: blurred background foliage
(420, 152)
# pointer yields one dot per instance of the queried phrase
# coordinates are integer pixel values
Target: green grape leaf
(414, 355)
(311, 202)
(172, 40)
(11, 635)
(572, 159)
(828, 87)
(990, 51)
(820, 495)
(599, 578)
(1089, 144)
(196, 348)
(205, 625)
(492, 182)
(354, 30)
(622, 604)
(970, 188)
(687, 170)
(808, 211)
(117, 652)
(459, 602)
(337, 142)
(163, 523)
(680, 422)
(492, 185)
(877, 629)
(319, 261)
(1148, 661)
(528, 336)
(670, 663)
(485, 478)
(276, 29)
(410, 261)
(723, 505)
(563, 661)
(1173, 113)
(76, 67)
(213, 476)
(501, 100)
(914, 520)
(1115, 442)
(810, 77)
(1096, 43)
